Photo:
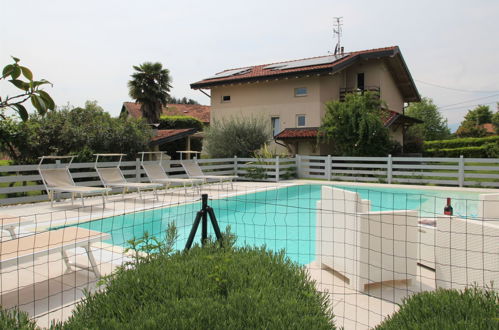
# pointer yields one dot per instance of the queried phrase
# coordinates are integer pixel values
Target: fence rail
(22, 183)
(460, 172)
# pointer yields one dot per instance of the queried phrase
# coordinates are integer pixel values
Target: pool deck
(47, 292)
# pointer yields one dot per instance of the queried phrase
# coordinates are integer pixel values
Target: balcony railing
(345, 91)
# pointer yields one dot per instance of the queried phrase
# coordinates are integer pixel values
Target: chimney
(342, 50)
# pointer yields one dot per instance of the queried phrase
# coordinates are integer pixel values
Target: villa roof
(391, 56)
(389, 119)
(169, 135)
(200, 112)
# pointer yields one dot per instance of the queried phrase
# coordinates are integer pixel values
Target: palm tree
(150, 86)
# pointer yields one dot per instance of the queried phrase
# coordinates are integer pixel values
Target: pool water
(279, 219)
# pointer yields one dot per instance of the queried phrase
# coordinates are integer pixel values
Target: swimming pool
(280, 219)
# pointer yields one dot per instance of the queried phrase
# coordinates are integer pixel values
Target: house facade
(292, 95)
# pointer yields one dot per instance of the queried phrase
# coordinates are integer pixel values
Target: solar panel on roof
(229, 73)
(305, 63)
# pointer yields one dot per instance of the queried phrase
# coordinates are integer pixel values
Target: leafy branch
(30, 88)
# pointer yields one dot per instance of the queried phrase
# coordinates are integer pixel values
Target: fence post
(328, 167)
(298, 166)
(277, 169)
(137, 169)
(235, 165)
(461, 171)
(389, 168)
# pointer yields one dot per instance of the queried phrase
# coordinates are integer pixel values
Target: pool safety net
(366, 248)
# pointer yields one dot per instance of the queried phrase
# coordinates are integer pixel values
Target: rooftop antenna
(337, 31)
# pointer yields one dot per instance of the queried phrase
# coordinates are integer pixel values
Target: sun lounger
(59, 180)
(11, 223)
(25, 249)
(113, 177)
(193, 171)
(157, 174)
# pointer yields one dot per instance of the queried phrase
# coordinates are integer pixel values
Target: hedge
(178, 122)
(468, 152)
(207, 288)
(460, 143)
(488, 150)
(447, 309)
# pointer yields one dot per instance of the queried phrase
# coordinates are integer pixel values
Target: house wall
(275, 98)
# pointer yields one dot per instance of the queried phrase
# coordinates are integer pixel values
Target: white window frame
(225, 101)
(301, 95)
(274, 133)
(298, 122)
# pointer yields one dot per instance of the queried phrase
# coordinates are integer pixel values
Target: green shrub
(207, 288)
(16, 319)
(236, 136)
(468, 152)
(77, 131)
(178, 122)
(460, 143)
(447, 309)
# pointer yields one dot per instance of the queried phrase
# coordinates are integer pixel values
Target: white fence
(461, 172)
(22, 183)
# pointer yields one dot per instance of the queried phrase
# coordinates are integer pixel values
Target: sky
(87, 48)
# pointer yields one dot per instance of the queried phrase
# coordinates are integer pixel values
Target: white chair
(60, 180)
(467, 253)
(11, 224)
(157, 174)
(26, 249)
(193, 171)
(365, 249)
(113, 177)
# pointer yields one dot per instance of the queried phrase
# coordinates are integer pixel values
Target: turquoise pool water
(280, 219)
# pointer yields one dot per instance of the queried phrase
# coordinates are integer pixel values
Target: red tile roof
(169, 135)
(388, 117)
(298, 133)
(260, 71)
(490, 128)
(201, 112)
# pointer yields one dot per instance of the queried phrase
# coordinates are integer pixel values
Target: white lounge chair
(59, 180)
(10, 223)
(25, 249)
(157, 174)
(113, 177)
(193, 171)
(365, 249)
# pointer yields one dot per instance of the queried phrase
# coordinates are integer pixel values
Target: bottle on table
(448, 208)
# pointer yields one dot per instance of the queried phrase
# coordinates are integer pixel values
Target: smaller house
(165, 136)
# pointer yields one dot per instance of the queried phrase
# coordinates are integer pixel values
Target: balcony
(345, 91)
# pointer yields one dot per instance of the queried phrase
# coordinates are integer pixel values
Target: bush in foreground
(15, 319)
(447, 309)
(207, 288)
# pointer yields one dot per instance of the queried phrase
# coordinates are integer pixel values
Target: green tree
(31, 90)
(236, 136)
(434, 126)
(471, 125)
(77, 131)
(495, 119)
(355, 126)
(182, 100)
(150, 86)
